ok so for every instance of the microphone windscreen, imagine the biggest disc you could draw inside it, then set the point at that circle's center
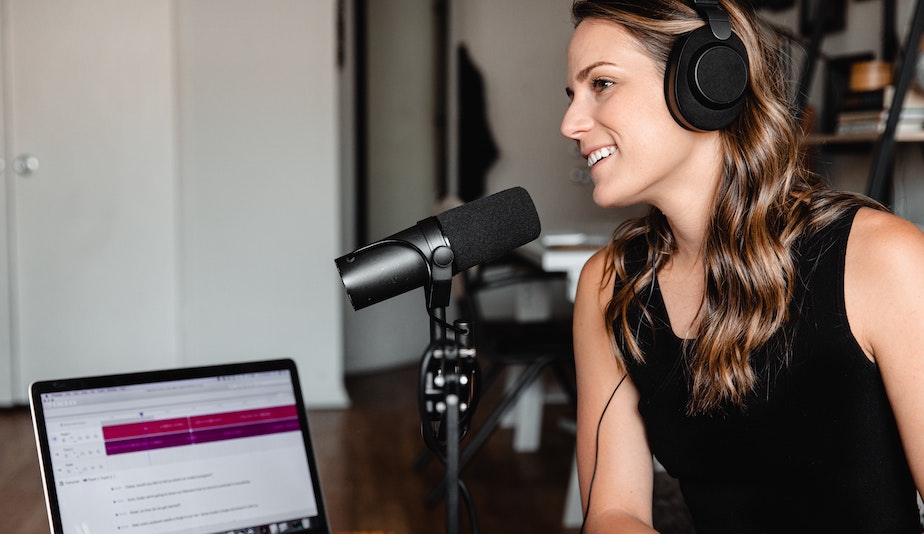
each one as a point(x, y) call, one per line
point(487, 228)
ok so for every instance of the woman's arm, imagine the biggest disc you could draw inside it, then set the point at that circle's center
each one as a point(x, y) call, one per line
point(884, 293)
point(614, 463)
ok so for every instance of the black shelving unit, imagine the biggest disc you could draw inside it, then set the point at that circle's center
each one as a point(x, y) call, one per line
point(880, 175)
point(884, 151)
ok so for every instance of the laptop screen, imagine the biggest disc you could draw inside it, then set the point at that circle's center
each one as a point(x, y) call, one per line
point(204, 450)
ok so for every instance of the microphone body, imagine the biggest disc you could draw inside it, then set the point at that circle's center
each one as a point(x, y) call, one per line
point(390, 267)
point(468, 235)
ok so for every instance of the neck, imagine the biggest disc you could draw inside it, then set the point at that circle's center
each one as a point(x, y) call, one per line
point(689, 202)
point(689, 227)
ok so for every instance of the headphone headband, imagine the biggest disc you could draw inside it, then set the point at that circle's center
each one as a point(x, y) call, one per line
point(715, 16)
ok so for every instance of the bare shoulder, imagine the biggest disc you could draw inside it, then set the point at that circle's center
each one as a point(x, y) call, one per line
point(596, 264)
point(593, 284)
point(884, 243)
point(883, 278)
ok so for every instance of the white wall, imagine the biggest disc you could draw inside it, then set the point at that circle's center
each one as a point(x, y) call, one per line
point(259, 187)
point(6, 304)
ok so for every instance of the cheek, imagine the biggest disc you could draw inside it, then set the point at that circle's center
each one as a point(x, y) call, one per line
point(646, 113)
point(658, 118)
point(657, 135)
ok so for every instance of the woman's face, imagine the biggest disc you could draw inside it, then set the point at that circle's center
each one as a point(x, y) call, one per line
point(637, 153)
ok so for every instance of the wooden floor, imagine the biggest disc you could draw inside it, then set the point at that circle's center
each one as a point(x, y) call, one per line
point(365, 456)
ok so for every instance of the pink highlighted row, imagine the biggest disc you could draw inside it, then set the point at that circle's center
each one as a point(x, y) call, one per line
point(198, 422)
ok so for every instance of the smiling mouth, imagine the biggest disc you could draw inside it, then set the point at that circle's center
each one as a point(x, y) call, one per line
point(600, 154)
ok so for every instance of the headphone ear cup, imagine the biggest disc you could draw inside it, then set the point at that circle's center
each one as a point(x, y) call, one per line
point(706, 80)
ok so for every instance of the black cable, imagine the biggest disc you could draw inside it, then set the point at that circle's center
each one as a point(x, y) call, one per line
point(426, 433)
point(593, 474)
point(470, 506)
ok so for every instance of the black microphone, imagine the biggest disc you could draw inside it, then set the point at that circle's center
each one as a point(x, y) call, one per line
point(460, 238)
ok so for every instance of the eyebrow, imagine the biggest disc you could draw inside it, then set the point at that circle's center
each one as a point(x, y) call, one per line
point(585, 72)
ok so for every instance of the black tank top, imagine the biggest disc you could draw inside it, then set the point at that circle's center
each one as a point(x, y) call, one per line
point(815, 450)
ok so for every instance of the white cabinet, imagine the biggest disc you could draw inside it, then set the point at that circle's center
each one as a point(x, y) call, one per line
point(186, 200)
point(88, 90)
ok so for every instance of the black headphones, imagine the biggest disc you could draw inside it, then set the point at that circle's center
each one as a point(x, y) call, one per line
point(706, 78)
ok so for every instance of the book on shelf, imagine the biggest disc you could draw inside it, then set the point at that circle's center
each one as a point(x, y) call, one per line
point(868, 126)
point(867, 100)
point(867, 112)
point(878, 99)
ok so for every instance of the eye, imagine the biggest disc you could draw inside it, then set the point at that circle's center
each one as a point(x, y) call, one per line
point(601, 84)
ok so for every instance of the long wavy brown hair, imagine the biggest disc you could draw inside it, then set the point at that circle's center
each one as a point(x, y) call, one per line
point(767, 200)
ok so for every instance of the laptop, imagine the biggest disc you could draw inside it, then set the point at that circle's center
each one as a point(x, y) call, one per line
point(204, 450)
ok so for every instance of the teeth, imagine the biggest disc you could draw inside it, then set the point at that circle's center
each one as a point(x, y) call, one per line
point(599, 154)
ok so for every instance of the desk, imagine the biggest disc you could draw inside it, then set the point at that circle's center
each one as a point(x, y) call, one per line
point(570, 257)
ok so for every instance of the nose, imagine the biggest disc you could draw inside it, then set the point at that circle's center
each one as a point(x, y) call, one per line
point(576, 121)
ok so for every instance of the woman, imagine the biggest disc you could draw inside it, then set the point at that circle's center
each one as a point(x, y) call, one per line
point(759, 333)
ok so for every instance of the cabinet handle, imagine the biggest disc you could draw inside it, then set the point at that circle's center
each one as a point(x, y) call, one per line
point(25, 164)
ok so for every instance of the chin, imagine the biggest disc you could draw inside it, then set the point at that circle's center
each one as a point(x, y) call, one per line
point(611, 201)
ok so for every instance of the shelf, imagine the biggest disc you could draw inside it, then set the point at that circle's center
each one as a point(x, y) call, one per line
point(872, 137)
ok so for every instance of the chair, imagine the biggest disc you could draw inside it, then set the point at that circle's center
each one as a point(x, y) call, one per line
point(505, 343)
